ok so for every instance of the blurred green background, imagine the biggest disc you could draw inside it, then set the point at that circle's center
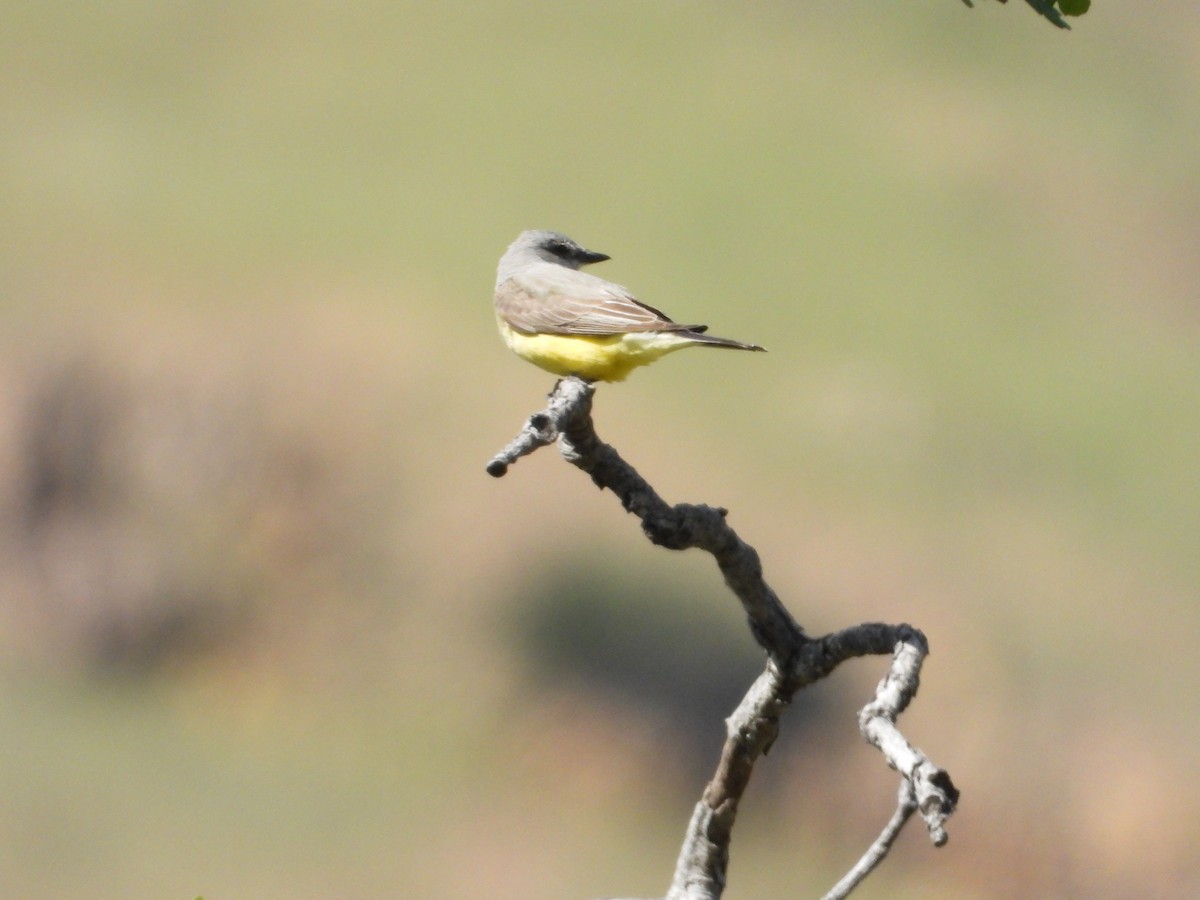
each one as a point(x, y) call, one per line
point(268, 628)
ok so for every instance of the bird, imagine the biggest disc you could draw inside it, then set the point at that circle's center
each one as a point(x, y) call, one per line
point(571, 322)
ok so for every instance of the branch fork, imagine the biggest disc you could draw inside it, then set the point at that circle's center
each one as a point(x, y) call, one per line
point(794, 660)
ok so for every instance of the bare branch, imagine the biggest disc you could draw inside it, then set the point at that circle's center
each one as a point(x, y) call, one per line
point(794, 660)
point(906, 805)
point(540, 430)
point(935, 793)
point(676, 527)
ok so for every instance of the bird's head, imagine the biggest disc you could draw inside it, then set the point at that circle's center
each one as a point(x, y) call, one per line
point(555, 247)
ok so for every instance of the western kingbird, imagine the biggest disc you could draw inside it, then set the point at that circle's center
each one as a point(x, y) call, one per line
point(572, 323)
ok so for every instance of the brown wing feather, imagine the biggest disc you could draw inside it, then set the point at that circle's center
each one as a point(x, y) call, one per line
point(558, 312)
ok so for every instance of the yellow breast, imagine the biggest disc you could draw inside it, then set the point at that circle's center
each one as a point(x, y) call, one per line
point(596, 358)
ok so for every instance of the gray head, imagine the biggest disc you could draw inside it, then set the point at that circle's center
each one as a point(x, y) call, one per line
point(544, 246)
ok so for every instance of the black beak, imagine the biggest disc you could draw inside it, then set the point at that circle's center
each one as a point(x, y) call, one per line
point(587, 257)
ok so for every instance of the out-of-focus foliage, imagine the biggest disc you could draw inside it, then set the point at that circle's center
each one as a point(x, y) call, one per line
point(1074, 7)
point(1054, 10)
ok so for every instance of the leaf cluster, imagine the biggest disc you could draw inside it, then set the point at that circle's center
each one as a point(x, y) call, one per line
point(1054, 10)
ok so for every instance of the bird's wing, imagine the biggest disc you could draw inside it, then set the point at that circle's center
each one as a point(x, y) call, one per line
point(556, 300)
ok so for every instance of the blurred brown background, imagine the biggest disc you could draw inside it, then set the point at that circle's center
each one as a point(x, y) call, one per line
point(268, 628)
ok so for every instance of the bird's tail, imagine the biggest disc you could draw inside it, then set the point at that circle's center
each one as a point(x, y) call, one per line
point(697, 334)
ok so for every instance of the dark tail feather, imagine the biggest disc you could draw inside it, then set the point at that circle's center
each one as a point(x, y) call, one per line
point(697, 334)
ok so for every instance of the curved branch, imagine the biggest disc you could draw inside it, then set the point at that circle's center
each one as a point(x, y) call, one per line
point(906, 805)
point(794, 659)
point(569, 418)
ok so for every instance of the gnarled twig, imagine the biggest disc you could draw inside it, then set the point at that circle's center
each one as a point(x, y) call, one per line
point(794, 660)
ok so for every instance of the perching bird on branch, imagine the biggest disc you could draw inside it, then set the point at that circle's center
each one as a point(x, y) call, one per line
point(572, 323)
